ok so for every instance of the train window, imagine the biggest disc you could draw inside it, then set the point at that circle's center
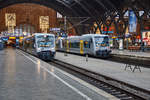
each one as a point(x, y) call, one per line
point(75, 45)
point(47, 41)
point(86, 44)
point(101, 41)
point(98, 41)
point(33, 42)
point(106, 40)
point(91, 40)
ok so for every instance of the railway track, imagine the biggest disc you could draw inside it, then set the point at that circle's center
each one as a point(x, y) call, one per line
point(119, 89)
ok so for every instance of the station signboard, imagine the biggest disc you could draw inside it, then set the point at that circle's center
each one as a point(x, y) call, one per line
point(12, 38)
point(55, 29)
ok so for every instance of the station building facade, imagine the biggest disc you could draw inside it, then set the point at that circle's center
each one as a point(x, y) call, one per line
point(27, 19)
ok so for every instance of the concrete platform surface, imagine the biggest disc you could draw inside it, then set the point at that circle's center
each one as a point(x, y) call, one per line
point(129, 53)
point(111, 69)
point(24, 77)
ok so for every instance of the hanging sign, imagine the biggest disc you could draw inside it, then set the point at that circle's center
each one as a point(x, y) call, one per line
point(44, 23)
point(10, 19)
point(132, 21)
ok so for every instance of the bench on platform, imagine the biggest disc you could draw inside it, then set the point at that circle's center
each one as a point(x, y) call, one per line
point(134, 48)
point(146, 48)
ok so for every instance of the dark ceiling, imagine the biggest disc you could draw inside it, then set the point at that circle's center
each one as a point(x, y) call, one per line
point(95, 9)
point(80, 8)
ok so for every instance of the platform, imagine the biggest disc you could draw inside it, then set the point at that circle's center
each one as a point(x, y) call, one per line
point(24, 77)
point(110, 69)
point(131, 53)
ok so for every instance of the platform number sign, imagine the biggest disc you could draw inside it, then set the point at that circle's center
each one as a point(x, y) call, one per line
point(81, 47)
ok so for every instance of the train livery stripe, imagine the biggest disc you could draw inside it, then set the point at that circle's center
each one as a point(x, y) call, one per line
point(81, 47)
point(67, 45)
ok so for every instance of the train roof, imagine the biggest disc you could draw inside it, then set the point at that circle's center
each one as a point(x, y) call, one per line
point(94, 35)
point(43, 34)
point(70, 37)
point(85, 35)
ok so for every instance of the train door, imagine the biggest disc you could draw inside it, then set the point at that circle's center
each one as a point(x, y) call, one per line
point(91, 50)
point(17, 42)
point(61, 43)
point(86, 45)
point(33, 45)
point(81, 47)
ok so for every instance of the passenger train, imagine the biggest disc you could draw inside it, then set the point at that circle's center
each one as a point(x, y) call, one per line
point(41, 45)
point(92, 44)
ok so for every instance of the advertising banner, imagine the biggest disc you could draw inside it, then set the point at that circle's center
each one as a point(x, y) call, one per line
point(132, 21)
point(146, 38)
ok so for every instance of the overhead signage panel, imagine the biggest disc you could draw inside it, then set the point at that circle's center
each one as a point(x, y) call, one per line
point(12, 38)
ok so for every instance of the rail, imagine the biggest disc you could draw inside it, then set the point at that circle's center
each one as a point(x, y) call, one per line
point(122, 90)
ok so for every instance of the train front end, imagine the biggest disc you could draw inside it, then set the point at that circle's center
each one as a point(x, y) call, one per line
point(45, 46)
point(102, 48)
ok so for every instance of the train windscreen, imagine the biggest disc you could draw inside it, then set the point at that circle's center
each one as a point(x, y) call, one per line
point(45, 41)
point(101, 41)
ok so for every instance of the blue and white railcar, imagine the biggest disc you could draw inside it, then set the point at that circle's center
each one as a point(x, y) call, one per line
point(97, 45)
point(41, 45)
point(45, 45)
point(91, 44)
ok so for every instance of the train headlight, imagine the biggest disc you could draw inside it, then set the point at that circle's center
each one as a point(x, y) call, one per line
point(108, 48)
point(53, 49)
point(97, 48)
point(39, 49)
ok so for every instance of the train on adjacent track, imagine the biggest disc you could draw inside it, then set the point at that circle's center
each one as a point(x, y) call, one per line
point(41, 45)
point(89, 44)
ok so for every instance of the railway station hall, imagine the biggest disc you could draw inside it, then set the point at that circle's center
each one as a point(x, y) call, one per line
point(74, 49)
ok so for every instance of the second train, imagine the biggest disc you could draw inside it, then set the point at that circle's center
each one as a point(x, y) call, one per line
point(92, 44)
